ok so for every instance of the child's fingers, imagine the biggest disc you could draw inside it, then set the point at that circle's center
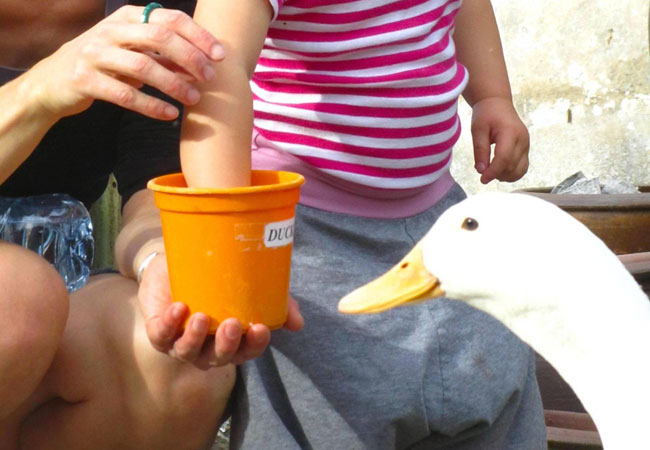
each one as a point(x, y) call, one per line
point(516, 156)
point(504, 158)
point(481, 141)
point(522, 168)
point(518, 171)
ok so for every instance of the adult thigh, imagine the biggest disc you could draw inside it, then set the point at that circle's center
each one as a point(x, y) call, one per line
point(33, 312)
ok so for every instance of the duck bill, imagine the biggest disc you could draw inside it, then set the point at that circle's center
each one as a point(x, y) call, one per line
point(406, 283)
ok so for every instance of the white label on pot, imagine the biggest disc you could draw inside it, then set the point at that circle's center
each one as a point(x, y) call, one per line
point(278, 234)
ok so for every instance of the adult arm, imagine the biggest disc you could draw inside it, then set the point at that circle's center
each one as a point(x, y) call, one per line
point(494, 118)
point(216, 133)
point(110, 61)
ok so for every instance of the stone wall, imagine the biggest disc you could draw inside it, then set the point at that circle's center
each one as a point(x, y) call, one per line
point(580, 76)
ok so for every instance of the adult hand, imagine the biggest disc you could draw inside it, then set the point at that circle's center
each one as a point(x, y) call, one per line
point(113, 59)
point(164, 323)
point(495, 121)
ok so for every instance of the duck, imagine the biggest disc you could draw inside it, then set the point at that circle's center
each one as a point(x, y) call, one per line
point(553, 283)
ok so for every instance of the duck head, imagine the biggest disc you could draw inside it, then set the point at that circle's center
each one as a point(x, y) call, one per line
point(506, 254)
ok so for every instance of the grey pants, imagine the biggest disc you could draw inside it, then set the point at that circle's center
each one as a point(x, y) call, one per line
point(439, 375)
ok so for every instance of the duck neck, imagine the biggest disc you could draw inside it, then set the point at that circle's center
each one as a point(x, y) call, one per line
point(599, 347)
point(611, 389)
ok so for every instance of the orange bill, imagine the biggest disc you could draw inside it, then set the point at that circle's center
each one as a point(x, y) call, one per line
point(408, 282)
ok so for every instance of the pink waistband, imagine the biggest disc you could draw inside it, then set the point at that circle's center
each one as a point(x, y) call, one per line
point(325, 192)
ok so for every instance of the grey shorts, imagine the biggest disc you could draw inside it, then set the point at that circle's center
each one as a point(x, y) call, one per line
point(436, 375)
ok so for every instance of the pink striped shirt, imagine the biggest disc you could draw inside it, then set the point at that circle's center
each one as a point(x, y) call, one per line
point(361, 94)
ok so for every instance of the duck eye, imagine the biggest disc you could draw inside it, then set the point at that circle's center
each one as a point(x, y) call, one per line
point(470, 224)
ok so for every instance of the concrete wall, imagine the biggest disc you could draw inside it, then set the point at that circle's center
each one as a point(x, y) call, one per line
point(580, 76)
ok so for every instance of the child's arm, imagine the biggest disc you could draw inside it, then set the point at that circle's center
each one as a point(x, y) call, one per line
point(216, 132)
point(494, 119)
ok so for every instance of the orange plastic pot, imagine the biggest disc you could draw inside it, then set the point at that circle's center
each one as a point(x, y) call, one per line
point(229, 250)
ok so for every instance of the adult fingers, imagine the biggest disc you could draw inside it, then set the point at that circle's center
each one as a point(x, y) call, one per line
point(130, 81)
point(173, 67)
point(164, 41)
point(256, 341)
point(176, 20)
point(186, 27)
point(295, 320)
point(188, 347)
point(227, 341)
point(162, 330)
point(104, 87)
point(144, 68)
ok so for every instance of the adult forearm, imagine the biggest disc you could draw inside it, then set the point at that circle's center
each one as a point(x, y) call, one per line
point(141, 233)
point(23, 123)
point(478, 47)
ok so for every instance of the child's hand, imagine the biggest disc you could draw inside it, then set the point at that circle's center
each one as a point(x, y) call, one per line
point(495, 121)
point(164, 321)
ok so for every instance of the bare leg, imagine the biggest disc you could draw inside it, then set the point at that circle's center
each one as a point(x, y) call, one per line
point(33, 312)
point(113, 390)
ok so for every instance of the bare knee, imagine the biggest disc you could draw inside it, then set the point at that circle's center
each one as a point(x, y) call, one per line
point(216, 384)
point(204, 395)
point(189, 411)
point(33, 312)
point(34, 301)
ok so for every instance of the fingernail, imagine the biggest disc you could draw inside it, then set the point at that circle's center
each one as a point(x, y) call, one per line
point(177, 312)
point(193, 95)
point(199, 325)
point(170, 112)
point(217, 52)
point(232, 332)
point(208, 72)
point(480, 167)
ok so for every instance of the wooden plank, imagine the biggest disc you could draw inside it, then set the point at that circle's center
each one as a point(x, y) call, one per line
point(575, 439)
point(568, 429)
point(636, 263)
point(594, 202)
point(569, 419)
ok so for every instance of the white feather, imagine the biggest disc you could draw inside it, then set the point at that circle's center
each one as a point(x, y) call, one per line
point(560, 289)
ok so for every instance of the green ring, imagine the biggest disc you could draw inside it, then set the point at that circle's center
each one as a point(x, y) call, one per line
point(147, 11)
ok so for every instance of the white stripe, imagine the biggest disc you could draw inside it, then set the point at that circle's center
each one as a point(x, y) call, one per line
point(383, 51)
point(388, 183)
point(351, 44)
point(354, 121)
point(349, 7)
point(434, 80)
point(360, 141)
point(276, 7)
point(389, 69)
point(360, 100)
point(388, 163)
point(395, 16)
